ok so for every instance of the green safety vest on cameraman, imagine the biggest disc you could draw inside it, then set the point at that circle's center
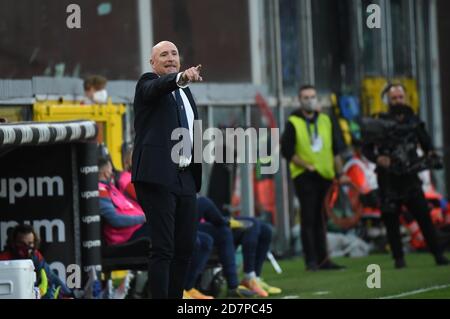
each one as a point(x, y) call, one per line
point(322, 160)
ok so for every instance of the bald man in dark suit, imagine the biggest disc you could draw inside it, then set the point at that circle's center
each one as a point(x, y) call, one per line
point(166, 186)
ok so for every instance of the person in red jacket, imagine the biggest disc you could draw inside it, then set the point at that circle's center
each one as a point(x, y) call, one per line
point(23, 243)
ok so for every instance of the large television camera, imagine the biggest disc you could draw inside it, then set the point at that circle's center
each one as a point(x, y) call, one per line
point(398, 141)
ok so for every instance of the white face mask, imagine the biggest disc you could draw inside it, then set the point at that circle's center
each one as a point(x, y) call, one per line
point(309, 105)
point(100, 96)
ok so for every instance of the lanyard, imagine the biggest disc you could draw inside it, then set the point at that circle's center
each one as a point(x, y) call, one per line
point(316, 132)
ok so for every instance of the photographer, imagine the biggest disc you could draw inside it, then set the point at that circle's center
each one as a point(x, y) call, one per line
point(395, 155)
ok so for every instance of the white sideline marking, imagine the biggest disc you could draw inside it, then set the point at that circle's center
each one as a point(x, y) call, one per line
point(414, 292)
point(318, 293)
point(291, 297)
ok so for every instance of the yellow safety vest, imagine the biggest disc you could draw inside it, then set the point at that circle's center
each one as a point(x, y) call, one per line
point(322, 160)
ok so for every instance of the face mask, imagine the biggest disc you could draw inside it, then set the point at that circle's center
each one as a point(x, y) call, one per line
point(100, 96)
point(309, 105)
point(399, 109)
point(22, 251)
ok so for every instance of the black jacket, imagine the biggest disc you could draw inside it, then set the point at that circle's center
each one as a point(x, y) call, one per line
point(156, 116)
point(394, 182)
point(421, 136)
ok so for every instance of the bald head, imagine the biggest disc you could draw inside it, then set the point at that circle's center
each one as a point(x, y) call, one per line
point(163, 45)
point(165, 58)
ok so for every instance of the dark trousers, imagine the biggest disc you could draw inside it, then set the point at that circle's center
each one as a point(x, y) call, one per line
point(202, 250)
point(142, 232)
point(223, 240)
point(311, 190)
point(173, 222)
point(417, 205)
point(255, 243)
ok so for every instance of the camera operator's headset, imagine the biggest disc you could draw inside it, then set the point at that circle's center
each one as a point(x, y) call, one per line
point(387, 88)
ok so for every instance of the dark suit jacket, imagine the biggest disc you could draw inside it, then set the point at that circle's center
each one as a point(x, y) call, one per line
point(155, 117)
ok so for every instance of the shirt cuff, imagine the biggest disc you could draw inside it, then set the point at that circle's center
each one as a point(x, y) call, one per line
point(180, 83)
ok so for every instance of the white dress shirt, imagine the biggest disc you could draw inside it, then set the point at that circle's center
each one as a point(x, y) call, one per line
point(190, 118)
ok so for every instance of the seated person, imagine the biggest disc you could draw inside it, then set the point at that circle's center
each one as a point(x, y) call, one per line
point(124, 220)
point(23, 243)
point(361, 173)
point(95, 90)
point(255, 241)
point(202, 250)
point(124, 180)
point(219, 229)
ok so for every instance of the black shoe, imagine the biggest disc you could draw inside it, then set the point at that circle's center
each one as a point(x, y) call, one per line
point(400, 263)
point(329, 265)
point(441, 260)
point(312, 267)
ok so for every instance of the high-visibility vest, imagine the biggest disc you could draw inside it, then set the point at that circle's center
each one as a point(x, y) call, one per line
point(322, 160)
